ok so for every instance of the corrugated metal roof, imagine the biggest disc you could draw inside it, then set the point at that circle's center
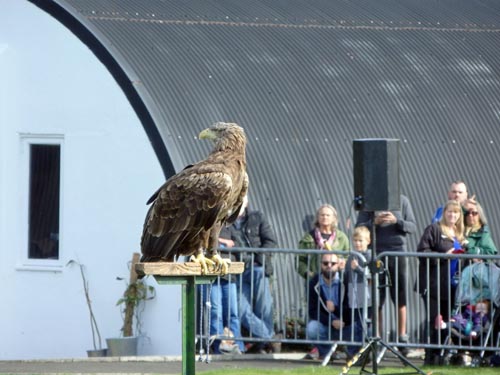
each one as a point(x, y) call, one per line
point(305, 78)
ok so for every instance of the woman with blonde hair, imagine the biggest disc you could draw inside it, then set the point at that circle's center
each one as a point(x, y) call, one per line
point(434, 282)
point(478, 235)
point(325, 236)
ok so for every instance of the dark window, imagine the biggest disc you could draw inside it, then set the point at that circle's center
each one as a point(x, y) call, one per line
point(45, 162)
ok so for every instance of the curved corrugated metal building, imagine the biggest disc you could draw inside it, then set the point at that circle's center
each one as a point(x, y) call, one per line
point(305, 78)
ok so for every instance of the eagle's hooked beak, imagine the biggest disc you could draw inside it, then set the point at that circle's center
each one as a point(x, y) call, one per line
point(207, 134)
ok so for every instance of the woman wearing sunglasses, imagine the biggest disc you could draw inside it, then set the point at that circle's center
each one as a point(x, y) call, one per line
point(478, 235)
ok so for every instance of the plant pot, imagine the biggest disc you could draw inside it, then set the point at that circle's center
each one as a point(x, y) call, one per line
point(97, 353)
point(122, 346)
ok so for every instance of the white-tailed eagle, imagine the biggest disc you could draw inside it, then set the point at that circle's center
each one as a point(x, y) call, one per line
point(188, 211)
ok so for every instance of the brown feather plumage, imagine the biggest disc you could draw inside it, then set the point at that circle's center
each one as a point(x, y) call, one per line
point(188, 211)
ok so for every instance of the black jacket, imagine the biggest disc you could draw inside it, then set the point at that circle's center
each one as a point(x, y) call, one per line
point(393, 236)
point(256, 232)
point(433, 241)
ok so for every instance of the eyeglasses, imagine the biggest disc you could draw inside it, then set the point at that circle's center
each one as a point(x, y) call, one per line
point(471, 213)
point(329, 263)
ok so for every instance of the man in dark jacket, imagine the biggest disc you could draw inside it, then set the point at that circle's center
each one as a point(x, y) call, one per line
point(327, 309)
point(251, 229)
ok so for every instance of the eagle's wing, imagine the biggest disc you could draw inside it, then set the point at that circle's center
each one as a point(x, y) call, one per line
point(188, 204)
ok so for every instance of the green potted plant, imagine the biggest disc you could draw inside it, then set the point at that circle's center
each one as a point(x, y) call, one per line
point(98, 350)
point(137, 292)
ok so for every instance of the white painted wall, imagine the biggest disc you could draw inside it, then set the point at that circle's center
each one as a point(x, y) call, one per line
point(51, 83)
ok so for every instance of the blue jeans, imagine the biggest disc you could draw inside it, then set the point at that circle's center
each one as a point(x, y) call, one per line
point(316, 330)
point(224, 311)
point(256, 309)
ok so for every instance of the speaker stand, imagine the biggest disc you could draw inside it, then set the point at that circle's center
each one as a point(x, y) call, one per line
point(371, 351)
point(374, 342)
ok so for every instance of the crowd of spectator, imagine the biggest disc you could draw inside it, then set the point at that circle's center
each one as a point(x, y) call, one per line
point(338, 286)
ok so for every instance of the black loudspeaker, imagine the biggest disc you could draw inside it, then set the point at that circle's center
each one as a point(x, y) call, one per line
point(376, 174)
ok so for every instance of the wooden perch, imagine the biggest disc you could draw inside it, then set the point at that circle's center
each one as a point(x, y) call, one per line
point(133, 273)
point(182, 269)
point(130, 296)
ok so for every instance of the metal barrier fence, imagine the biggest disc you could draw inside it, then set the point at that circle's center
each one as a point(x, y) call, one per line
point(290, 299)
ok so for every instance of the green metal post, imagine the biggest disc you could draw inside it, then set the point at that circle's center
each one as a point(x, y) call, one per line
point(188, 284)
point(188, 326)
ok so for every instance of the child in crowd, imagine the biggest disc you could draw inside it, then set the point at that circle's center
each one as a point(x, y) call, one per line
point(358, 279)
point(473, 320)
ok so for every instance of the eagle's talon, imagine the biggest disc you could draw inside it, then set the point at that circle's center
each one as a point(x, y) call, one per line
point(202, 261)
point(223, 264)
point(215, 264)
